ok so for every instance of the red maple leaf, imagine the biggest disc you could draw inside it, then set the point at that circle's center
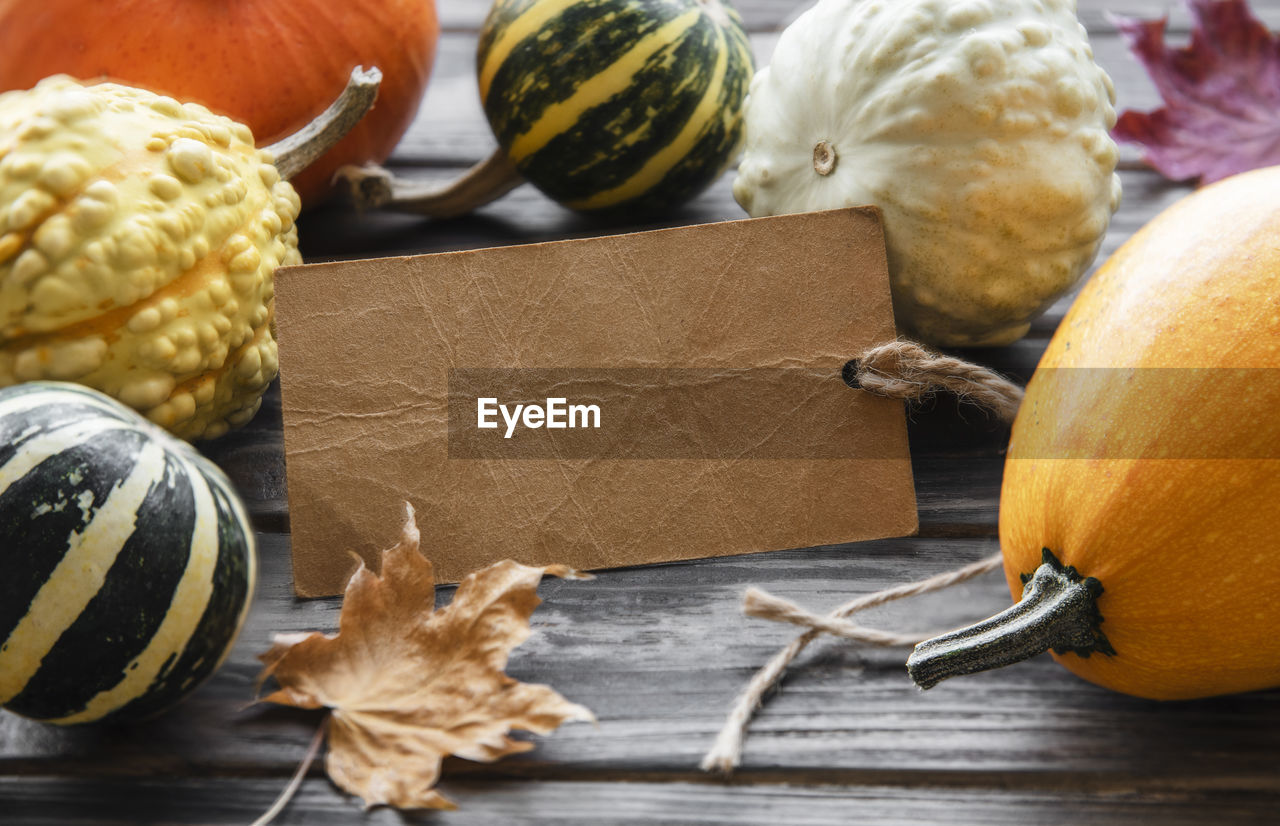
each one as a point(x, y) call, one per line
point(1221, 93)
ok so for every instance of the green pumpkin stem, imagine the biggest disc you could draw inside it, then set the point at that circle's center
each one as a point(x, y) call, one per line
point(1058, 611)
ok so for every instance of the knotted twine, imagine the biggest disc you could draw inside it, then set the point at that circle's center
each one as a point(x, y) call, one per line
point(899, 370)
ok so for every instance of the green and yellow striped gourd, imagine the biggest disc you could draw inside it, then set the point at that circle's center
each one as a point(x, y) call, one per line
point(126, 559)
point(606, 103)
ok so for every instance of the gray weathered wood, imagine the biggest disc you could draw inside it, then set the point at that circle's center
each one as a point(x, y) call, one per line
point(658, 653)
point(58, 802)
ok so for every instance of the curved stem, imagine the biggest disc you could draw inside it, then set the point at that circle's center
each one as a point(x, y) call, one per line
point(1058, 611)
point(375, 187)
point(298, 151)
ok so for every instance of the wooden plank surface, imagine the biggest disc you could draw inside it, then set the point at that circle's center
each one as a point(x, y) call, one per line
point(659, 652)
point(62, 802)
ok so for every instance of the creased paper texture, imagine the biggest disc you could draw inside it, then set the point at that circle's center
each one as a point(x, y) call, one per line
point(368, 349)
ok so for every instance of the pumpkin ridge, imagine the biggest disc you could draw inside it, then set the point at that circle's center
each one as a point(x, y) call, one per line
point(712, 150)
point(597, 89)
point(660, 163)
point(233, 581)
point(79, 573)
point(104, 638)
point(33, 534)
point(187, 606)
point(152, 588)
point(510, 26)
point(614, 165)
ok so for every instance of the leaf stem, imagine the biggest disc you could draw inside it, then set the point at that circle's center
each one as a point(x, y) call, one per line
point(296, 782)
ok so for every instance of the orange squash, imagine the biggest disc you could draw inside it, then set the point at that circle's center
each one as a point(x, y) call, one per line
point(1141, 496)
point(271, 64)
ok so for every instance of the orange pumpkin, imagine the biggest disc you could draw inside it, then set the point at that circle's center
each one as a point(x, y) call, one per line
point(1146, 457)
point(271, 64)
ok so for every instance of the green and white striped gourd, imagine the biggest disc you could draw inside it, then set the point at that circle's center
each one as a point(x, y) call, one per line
point(604, 103)
point(127, 561)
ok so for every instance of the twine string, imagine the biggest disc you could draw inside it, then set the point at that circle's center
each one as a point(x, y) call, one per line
point(905, 370)
point(763, 605)
point(901, 370)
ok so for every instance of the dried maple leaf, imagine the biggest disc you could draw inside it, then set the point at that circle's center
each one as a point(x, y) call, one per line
point(408, 685)
point(1221, 94)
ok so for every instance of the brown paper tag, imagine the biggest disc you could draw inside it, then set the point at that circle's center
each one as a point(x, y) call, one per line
point(680, 390)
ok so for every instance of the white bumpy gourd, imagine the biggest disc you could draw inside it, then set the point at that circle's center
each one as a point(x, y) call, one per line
point(978, 127)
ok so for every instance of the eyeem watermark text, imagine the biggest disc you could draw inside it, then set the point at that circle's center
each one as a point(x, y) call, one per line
point(555, 414)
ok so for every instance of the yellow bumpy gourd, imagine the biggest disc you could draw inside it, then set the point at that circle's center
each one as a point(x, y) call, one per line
point(138, 238)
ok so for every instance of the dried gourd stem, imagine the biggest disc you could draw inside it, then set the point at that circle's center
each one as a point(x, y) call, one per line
point(901, 370)
point(373, 187)
point(1058, 612)
point(295, 782)
point(824, 158)
point(298, 151)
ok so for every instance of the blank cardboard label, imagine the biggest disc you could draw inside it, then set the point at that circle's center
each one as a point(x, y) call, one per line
point(603, 402)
